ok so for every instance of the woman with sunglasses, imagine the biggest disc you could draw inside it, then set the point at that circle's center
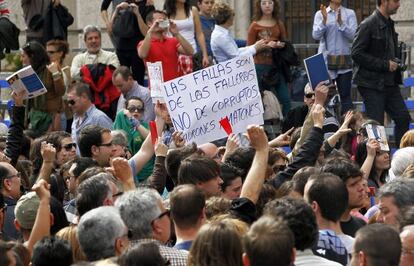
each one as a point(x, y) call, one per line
point(130, 121)
point(44, 110)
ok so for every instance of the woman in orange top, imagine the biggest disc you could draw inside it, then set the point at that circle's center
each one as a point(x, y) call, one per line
point(267, 25)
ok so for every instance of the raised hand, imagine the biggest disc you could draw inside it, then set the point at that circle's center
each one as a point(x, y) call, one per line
point(257, 137)
point(48, 152)
point(318, 115)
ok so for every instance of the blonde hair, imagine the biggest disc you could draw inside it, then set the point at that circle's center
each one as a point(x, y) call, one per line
point(221, 12)
point(407, 139)
point(69, 233)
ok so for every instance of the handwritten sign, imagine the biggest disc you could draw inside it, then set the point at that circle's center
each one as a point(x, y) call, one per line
point(156, 79)
point(198, 101)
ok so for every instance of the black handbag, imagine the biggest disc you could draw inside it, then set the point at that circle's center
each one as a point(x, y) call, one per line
point(36, 22)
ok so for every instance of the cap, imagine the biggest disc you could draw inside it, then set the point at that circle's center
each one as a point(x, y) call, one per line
point(26, 210)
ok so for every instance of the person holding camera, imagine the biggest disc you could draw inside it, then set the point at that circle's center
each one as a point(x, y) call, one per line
point(157, 46)
point(127, 28)
point(377, 68)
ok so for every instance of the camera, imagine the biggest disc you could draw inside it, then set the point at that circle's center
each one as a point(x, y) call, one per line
point(165, 24)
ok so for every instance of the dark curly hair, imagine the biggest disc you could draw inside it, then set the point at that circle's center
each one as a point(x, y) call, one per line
point(299, 217)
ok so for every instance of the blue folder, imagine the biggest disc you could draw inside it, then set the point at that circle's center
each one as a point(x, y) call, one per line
point(316, 70)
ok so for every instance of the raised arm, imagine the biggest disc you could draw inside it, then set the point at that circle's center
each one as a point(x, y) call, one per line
point(256, 175)
point(104, 15)
point(41, 227)
point(200, 36)
point(15, 134)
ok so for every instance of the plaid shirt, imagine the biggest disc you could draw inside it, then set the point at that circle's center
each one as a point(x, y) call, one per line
point(173, 256)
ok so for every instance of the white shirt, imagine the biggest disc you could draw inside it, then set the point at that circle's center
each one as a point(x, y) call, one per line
point(103, 57)
point(225, 48)
point(307, 258)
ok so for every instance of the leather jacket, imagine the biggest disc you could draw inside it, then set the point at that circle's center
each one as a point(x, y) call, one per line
point(371, 52)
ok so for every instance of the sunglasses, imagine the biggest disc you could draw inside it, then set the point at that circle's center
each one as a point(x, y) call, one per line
point(69, 146)
point(133, 109)
point(107, 144)
point(166, 212)
point(309, 95)
point(52, 52)
point(71, 102)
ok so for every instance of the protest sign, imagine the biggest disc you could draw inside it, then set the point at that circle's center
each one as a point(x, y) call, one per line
point(198, 101)
point(156, 79)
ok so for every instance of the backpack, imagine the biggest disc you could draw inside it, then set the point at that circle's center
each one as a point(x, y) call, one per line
point(125, 25)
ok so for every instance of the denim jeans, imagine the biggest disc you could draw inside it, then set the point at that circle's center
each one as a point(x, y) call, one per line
point(344, 84)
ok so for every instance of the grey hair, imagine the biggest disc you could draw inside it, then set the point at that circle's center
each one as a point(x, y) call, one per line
point(402, 190)
point(401, 159)
point(138, 209)
point(90, 28)
point(98, 230)
point(119, 137)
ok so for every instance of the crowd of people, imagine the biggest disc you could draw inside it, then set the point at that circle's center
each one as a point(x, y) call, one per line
point(83, 182)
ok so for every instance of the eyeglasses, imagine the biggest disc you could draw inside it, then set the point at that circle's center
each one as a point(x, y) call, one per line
point(52, 52)
point(133, 109)
point(4, 208)
point(107, 144)
point(267, 3)
point(118, 194)
point(69, 146)
point(71, 102)
point(166, 212)
point(18, 174)
point(309, 95)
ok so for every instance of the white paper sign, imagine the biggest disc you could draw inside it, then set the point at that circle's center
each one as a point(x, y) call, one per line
point(156, 79)
point(378, 133)
point(198, 101)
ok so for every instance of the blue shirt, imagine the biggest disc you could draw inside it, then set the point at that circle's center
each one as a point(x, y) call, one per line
point(334, 39)
point(225, 48)
point(186, 245)
point(93, 116)
point(207, 24)
point(331, 247)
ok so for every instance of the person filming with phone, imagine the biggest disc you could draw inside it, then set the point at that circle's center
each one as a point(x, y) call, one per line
point(158, 46)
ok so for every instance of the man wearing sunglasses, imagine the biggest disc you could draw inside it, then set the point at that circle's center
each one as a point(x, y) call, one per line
point(296, 116)
point(10, 191)
point(85, 113)
point(123, 79)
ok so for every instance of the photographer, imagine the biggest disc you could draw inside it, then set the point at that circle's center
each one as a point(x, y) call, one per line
point(157, 46)
point(127, 28)
point(377, 70)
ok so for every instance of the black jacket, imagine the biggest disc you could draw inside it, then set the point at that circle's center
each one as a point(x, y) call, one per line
point(56, 22)
point(15, 134)
point(371, 51)
point(307, 156)
point(9, 36)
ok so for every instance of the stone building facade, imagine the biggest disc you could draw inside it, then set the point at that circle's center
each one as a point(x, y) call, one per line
point(297, 14)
